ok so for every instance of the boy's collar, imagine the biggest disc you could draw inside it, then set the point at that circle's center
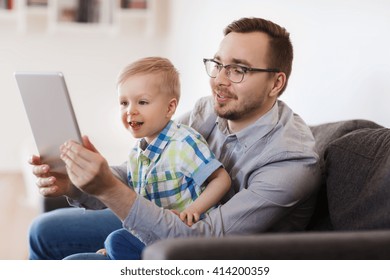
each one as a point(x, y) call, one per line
point(154, 149)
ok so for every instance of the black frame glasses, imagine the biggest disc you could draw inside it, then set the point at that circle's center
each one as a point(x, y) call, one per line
point(234, 72)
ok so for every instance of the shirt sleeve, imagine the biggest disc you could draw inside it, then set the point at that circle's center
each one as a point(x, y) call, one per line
point(272, 192)
point(196, 159)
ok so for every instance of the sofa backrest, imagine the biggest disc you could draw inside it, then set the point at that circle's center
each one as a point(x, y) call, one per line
point(326, 134)
point(358, 180)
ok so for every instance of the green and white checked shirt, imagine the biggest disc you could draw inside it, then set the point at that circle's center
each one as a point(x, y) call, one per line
point(172, 170)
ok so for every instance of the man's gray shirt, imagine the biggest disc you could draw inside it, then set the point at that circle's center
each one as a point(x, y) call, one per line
point(275, 177)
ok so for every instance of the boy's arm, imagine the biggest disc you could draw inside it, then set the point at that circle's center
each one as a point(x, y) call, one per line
point(218, 185)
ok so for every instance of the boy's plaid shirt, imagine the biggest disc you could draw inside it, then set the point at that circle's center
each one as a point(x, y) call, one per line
point(172, 170)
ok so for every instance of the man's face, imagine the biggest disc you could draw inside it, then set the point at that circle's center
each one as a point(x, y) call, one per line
point(251, 98)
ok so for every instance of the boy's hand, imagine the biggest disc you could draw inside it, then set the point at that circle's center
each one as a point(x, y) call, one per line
point(186, 216)
point(189, 217)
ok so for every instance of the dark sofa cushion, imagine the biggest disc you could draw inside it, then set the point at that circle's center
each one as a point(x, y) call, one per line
point(358, 180)
point(325, 134)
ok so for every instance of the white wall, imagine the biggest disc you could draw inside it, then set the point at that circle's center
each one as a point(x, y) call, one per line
point(342, 52)
point(340, 71)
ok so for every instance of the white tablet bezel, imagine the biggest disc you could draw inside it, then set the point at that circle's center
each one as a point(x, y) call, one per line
point(50, 112)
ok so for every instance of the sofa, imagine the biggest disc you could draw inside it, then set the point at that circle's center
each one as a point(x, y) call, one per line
point(352, 215)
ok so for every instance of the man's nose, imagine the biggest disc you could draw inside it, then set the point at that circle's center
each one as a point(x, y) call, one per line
point(222, 77)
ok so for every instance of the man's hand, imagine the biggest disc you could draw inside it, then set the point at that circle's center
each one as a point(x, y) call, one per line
point(87, 168)
point(89, 172)
point(50, 184)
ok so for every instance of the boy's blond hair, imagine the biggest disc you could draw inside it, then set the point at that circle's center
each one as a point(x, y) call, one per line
point(170, 82)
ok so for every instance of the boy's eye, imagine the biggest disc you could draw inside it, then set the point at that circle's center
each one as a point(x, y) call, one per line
point(123, 103)
point(143, 102)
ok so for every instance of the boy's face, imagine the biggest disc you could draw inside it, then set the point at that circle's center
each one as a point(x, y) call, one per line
point(145, 109)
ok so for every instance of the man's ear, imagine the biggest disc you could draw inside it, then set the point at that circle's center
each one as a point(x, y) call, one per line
point(172, 105)
point(279, 83)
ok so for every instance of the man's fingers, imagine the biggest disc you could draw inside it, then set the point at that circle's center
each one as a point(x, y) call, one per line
point(46, 186)
point(45, 182)
point(73, 155)
point(40, 170)
point(49, 191)
point(88, 144)
point(34, 160)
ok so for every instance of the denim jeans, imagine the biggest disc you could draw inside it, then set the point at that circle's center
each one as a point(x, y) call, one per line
point(122, 245)
point(63, 232)
point(119, 245)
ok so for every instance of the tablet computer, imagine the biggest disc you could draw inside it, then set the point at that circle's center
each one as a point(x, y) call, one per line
point(50, 113)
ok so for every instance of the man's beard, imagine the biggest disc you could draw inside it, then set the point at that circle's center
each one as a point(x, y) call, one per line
point(227, 114)
point(235, 114)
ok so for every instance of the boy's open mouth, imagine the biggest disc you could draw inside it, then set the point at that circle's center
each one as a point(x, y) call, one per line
point(135, 124)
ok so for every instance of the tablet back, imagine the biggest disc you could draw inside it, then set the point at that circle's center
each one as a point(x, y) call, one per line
point(50, 113)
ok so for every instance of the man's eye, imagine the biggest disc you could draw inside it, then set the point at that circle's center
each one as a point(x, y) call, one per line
point(238, 70)
point(217, 66)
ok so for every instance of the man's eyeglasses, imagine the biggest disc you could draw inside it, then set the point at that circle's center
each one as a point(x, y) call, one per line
point(235, 73)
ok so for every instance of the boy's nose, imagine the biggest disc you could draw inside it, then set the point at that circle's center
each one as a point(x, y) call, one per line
point(132, 111)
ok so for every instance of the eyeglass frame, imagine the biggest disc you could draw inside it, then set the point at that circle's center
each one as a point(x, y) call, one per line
point(245, 69)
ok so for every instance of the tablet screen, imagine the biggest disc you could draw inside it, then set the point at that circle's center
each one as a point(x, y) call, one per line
point(50, 113)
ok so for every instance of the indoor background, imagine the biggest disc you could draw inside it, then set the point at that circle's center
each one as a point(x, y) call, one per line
point(340, 72)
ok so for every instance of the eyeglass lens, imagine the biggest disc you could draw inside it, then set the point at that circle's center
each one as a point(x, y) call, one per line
point(233, 72)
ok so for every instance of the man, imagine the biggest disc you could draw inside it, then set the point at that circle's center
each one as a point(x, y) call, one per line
point(266, 148)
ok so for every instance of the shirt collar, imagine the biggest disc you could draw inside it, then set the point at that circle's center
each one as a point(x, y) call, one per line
point(249, 135)
point(156, 147)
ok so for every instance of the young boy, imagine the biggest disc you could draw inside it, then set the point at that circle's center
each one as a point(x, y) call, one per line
point(171, 164)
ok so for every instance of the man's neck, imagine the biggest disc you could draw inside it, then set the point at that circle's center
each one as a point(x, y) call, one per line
point(235, 126)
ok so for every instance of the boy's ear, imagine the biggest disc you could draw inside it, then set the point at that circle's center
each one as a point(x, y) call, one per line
point(172, 105)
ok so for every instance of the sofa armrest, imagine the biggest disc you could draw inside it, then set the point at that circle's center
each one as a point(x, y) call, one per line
point(287, 246)
point(53, 203)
